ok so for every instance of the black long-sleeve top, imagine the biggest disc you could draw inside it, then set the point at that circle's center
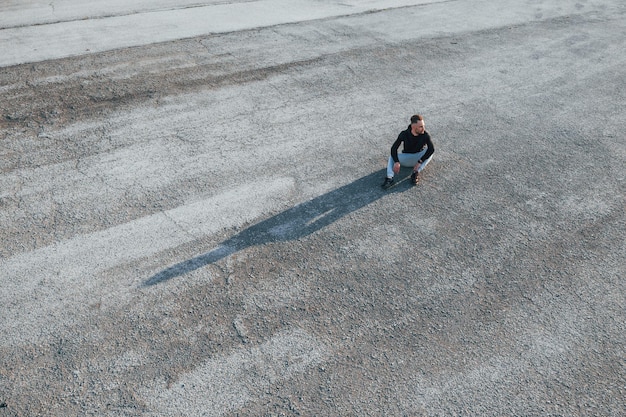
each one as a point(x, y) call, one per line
point(412, 144)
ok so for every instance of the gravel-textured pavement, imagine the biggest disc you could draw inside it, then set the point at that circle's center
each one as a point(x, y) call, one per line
point(196, 227)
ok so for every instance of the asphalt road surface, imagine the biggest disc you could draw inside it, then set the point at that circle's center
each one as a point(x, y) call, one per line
point(192, 222)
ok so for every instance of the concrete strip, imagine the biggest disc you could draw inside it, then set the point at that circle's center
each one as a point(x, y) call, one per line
point(76, 37)
point(143, 25)
point(41, 12)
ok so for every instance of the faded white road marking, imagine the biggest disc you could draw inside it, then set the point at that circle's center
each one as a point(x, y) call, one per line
point(53, 284)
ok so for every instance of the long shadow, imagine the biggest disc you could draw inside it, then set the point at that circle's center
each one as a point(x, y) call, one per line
point(291, 224)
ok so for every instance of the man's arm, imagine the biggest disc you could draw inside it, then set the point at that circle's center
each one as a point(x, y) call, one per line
point(430, 151)
point(394, 148)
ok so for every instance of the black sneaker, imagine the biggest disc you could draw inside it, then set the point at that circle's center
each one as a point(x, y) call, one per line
point(388, 183)
point(415, 177)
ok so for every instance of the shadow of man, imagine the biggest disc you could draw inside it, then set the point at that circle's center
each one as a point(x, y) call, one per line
point(291, 224)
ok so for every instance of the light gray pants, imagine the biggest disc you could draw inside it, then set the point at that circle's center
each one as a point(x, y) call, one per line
point(408, 160)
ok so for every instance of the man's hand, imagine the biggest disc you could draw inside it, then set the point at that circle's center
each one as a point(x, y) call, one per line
point(396, 167)
point(417, 167)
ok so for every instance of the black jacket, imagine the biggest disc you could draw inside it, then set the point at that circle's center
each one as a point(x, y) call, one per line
point(412, 144)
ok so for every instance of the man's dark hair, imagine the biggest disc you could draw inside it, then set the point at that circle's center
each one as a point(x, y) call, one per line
point(416, 117)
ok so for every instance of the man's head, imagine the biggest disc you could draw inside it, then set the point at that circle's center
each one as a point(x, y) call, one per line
point(417, 124)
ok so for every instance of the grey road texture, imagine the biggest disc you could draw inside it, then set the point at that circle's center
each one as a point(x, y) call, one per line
point(195, 226)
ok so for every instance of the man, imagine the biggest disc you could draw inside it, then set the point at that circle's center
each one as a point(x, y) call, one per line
point(417, 151)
